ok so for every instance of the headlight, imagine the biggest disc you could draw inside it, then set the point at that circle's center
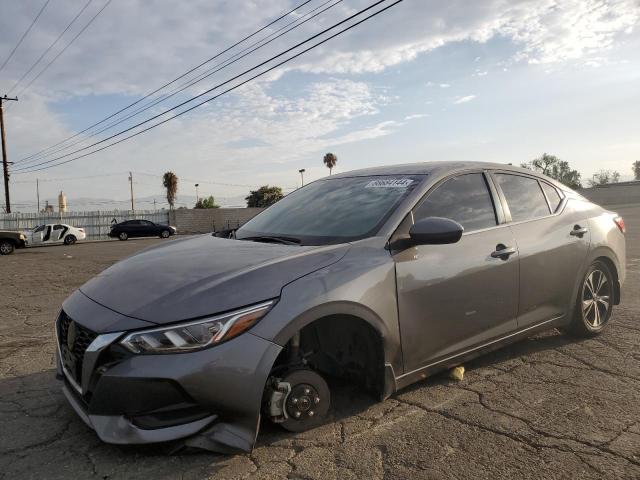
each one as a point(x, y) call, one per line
point(197, 334)
point(22, 237)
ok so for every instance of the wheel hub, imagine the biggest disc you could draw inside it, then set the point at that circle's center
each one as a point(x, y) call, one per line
point(302, 401)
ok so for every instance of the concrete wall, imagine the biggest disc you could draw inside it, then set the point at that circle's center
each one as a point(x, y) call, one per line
point(623, 193)
point(210, 219)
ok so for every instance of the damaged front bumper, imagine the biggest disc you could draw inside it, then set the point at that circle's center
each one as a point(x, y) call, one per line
point(208, 399)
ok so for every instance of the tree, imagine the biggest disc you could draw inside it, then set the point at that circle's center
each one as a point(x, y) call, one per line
point(206, 203)
point(330, 161)
point(170, 182)
point(555, 168)
point(604, 177)
point(264, 196)
point(636, 169)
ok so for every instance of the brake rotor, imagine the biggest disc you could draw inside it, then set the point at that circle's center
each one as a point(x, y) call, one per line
point(308, 402)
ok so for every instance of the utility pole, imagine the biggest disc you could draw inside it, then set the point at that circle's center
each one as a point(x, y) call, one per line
point(154, 205)
point(131, 185)
point(5, 162)
point(38, 193)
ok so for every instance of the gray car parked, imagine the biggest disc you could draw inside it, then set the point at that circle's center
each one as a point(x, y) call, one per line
point(382, 276)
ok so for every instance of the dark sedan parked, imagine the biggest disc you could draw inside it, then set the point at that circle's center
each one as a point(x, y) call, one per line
point(141, 228)
point(380, 276)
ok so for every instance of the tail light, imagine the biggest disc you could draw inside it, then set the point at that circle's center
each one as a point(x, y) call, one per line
point(81, 229)
point(620, 223)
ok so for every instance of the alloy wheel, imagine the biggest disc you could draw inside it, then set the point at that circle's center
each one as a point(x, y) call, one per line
point(596, 298)
point(6, 248)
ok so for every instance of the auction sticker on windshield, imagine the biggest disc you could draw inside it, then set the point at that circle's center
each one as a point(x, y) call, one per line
point(389, 183)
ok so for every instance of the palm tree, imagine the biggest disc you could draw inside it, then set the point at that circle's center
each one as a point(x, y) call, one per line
point(170, 182)
point(330, 161)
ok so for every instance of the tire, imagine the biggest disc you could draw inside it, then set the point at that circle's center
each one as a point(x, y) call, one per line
point(165, 234)
point(308, 402)
point(123, 236)
point(70, 240)
point(591, 317)
point(6, 247)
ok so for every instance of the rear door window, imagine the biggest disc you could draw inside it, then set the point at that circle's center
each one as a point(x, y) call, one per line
point(465, 199)
point(552, 195)
point(524, 196)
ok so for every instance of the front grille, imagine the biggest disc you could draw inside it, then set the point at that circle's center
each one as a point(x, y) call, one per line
point(74, 341)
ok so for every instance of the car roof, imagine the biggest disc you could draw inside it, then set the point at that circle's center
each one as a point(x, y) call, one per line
point(441, 168)
point(429, 168)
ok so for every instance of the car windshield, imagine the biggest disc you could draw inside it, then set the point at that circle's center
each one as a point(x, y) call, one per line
point(332, 210)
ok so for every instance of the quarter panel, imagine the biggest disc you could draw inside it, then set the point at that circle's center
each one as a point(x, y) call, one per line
point(608, 241)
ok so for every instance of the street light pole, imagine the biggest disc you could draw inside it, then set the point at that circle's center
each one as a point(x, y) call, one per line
point(302, 170)
point(133, 208)
point(197, 196)
point(5, 162)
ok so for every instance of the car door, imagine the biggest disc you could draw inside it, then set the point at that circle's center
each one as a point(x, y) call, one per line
point(148, 229)
point(37, 234)
point(457, 296)
point(57, 235)
point(132, 228)
point(46, 234)
point(553, 242)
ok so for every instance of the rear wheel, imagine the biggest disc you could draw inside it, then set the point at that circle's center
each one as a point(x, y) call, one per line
point(123, 236)
point(165, 234)
point(69, 240)
point(6, 247)
point(594, 304)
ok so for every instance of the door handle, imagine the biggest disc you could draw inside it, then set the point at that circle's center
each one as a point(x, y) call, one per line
point(503, 252)
point(578, 231)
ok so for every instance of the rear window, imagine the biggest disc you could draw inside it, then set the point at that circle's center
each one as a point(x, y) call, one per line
point(552, 195)
point(524, 197)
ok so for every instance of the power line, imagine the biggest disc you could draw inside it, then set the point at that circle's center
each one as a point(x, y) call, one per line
point(31, 169)
point(65, 179)
point(201, 181)
point(174, 80)
point(53, 44)
point(65, 48)
point(24, 35)
point(197, 79)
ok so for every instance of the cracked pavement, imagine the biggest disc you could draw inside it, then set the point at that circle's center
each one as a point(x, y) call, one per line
point(547, 407)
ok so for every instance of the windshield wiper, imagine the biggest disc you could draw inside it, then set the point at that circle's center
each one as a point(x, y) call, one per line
point(274, 239)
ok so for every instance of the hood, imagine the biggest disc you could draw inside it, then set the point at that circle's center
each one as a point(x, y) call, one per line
point(203, 276)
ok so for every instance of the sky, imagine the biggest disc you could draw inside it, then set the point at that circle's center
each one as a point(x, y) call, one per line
point(492, 80)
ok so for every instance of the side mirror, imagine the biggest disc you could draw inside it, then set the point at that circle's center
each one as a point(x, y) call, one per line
point(435, 231)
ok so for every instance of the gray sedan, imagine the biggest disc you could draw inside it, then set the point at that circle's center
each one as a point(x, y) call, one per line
point(380, 276)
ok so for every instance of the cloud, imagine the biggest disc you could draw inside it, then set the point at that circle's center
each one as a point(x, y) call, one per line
point(143, 55)
point(543, 31)
point(465, 99)
point(416, 116)
point(252, 134)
